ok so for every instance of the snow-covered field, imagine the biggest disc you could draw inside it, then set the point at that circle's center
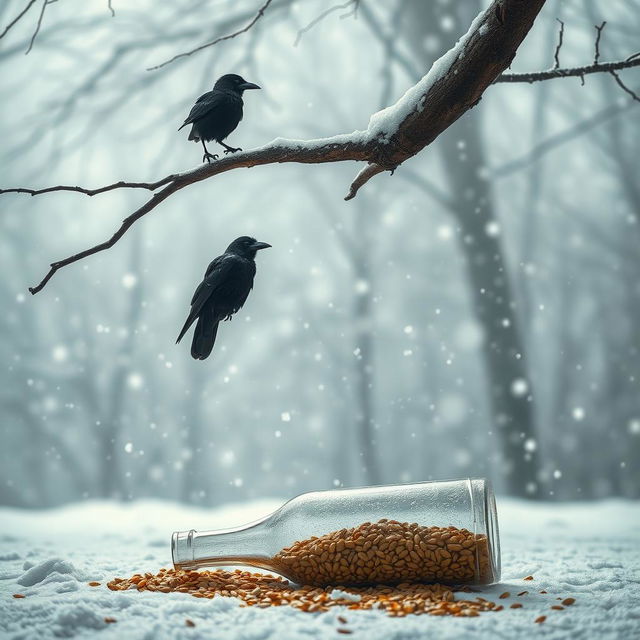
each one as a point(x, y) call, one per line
point(587, 551)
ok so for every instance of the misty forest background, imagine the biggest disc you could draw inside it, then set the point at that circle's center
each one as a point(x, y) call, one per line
point(477, 313)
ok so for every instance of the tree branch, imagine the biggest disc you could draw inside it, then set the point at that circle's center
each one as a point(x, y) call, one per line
point(624, 87)
point(321, 17)
point(454, 84)
point(255, 19)
point(573, 72)
point(596, 54)
point(17, 18)
point(556, 55)
point(329, 150)
point(371, 170)
point(151, 186)
point(45, 4)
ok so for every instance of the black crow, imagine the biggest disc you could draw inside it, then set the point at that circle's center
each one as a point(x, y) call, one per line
point(224, 290)
point(217, 113)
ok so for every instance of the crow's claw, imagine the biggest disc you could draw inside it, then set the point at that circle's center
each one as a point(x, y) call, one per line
point(208, 157)
point(232, 150)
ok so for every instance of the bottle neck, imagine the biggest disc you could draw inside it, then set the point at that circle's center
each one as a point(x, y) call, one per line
point(246, 545)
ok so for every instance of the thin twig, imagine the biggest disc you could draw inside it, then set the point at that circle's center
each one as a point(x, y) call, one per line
point(333, 150)
point(110, 7)
point(596, 55)
point(371, 170)
point(320, 18)
point(556, 55)
point(255, 19)
point(575, 72)
point(17, 18)
point(124, 227)
point(624, 87)
point(353, 12)
point(150, 186)
point(45, 3)
point(412, 70)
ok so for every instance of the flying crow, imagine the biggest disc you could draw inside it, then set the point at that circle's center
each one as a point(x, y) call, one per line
point(224, 290)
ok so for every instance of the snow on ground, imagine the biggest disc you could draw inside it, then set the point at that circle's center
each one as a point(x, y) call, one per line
point(589, 551)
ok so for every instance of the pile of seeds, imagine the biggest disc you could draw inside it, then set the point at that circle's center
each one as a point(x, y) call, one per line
point(263, 590)
point(388, 552)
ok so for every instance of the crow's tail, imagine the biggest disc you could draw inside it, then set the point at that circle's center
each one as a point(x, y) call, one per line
point(185, 327)
point(204, 337)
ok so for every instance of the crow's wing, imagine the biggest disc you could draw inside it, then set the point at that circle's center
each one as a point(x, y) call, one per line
point(217, 273)
point(204, 105)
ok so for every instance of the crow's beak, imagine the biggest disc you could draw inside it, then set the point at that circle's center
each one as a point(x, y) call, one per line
point(248, 85)
point(260, 245)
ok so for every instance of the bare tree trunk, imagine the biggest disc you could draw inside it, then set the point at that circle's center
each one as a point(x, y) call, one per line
point(508, 383)
point(493, 301)
point(529, 237)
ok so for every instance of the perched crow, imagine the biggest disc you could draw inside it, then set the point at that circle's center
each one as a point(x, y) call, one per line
point(224, 290)
point(217, 113)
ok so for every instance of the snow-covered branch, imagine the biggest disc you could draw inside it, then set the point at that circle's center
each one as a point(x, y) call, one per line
point(454, 84)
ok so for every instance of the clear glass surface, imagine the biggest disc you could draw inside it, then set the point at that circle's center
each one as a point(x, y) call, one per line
point(464, 505)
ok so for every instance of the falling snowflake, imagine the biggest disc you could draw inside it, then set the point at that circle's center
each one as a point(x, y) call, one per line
point(578, 414)
point(362, 286)
point(408, 329)
point(519, 387)
point(129, 280)
point(492, 228)
point(228, 458)
point(530, 445)
point(60, 353)
point(445, 232)
point(285, 416)
point(447, 23)
point(557, 474)
point(128, 447)
point(634, 426)
point(135, 381)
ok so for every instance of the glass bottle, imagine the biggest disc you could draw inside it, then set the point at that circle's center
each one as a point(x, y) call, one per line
point(421, 532)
